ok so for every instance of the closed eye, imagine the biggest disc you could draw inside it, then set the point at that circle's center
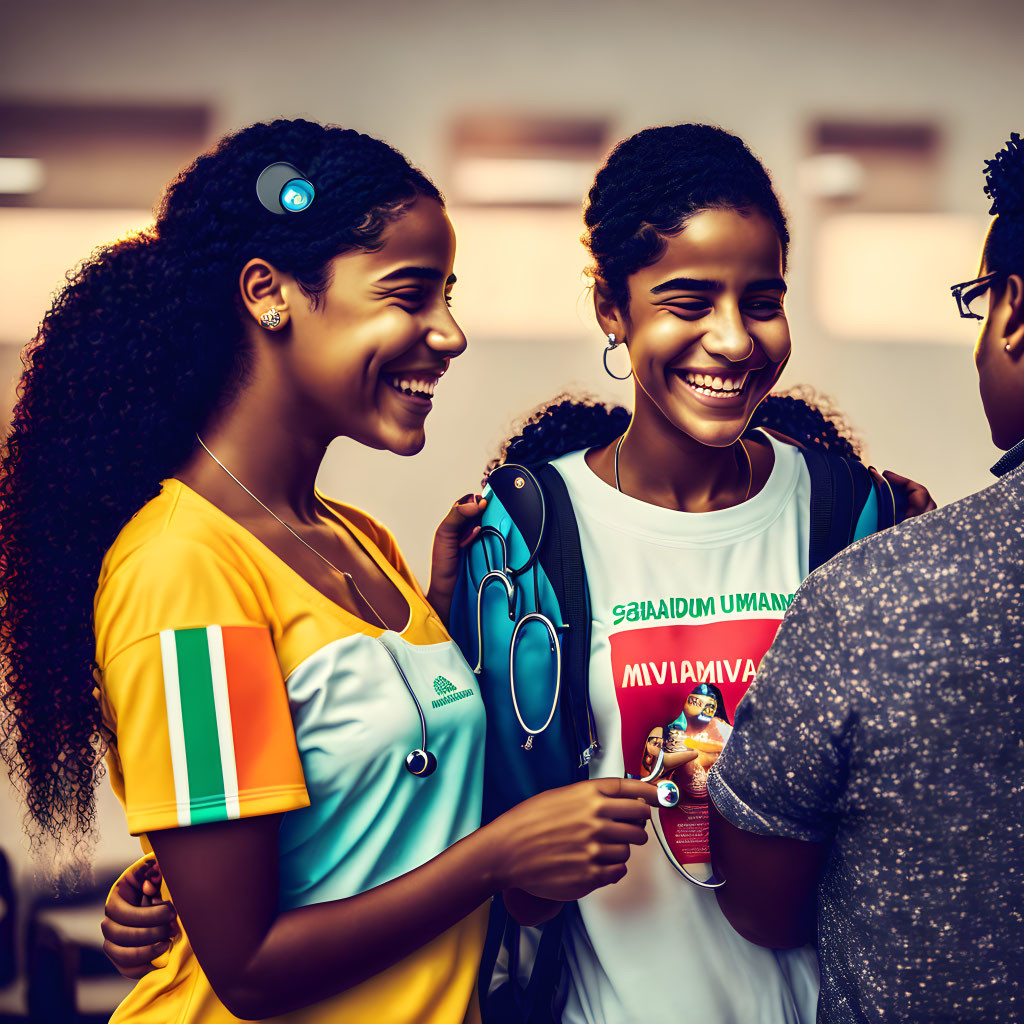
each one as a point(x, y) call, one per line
point(689, 309)
point(762, 309)
point(414, 296)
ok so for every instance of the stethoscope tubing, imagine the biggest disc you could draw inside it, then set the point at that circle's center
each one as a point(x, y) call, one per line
point(709, 883)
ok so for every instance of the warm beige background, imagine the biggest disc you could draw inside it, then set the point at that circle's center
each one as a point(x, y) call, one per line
point(402, 70)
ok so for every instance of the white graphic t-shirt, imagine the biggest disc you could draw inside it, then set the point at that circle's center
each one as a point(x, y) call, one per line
point(684, 607)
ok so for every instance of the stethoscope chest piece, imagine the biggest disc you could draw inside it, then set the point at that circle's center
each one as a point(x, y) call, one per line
point(421, 763)
point(668, 793)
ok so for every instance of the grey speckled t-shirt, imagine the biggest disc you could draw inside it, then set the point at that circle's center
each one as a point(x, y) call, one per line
point(887, 720)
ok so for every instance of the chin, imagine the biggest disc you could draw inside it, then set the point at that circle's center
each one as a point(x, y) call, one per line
point(407, 446)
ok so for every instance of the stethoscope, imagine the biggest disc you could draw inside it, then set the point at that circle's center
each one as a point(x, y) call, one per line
point(668, 796)
point(420, 762)
point(507, 577)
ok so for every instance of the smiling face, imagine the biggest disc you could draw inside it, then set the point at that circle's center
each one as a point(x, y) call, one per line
point(700, 707)
point(706, 329)
point(366, 360)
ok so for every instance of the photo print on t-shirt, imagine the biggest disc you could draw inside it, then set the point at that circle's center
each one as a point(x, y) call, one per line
point(677, 688)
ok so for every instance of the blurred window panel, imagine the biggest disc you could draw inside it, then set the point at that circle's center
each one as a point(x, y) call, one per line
point(886, 251)
point(38, 247)
point(887, 275)
point(74, 177)
point(516, 186)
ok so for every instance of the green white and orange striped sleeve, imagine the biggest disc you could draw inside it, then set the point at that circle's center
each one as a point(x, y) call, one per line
point(203, 730)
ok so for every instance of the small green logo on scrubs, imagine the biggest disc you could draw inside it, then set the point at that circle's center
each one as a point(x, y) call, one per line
point(445, 689)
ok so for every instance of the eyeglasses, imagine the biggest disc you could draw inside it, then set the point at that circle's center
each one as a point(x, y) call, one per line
point(969, 292)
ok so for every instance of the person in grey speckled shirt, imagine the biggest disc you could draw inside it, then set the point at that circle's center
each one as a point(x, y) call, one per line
point(873, 788)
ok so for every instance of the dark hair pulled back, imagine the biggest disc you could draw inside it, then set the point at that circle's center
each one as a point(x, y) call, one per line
point(135, 354)
point(653, 181)
point(1004, 184)
point(567, 424)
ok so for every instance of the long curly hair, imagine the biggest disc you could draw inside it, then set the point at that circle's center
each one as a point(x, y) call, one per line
point(569, 422)
point(140, 347)
point(1004, 184)
point(653, 181)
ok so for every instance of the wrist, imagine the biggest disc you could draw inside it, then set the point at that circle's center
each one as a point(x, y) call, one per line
point(528, 909)
point(493, 845)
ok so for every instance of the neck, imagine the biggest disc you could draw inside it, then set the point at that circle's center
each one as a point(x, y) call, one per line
point(262, 445)
point(1010, 460)
point(663, 466)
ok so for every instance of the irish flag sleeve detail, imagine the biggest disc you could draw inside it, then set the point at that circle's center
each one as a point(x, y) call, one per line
point(224, 747)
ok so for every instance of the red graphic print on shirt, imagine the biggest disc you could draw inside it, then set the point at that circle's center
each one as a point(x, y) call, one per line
point(677, 689)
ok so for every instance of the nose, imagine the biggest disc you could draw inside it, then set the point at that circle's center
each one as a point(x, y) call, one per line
point(445, 335)
point(727, 335)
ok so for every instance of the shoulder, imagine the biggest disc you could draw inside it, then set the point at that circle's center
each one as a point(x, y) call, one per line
point(176, 523)
point(925, 566)
point(177, 563)
point(573, 468)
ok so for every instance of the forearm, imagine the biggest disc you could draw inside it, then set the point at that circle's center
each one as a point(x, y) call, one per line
point(559, 845)
point(439, 597)
point(317, 951)
point(770, 883)
point(528, 909)
point(278, 962)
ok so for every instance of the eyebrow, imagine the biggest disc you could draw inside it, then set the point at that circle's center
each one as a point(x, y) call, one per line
point(699, 284)
point(420, 273)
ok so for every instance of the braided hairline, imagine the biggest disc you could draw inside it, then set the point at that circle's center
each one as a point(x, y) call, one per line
point(653, 182)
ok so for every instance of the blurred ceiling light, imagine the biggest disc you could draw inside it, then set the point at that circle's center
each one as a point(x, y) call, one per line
point(515, 160)
point(831, 175)
point(20, 176)
point(525, 181)
point(886, 276)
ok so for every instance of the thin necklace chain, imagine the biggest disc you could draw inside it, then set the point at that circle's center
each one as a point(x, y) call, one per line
point(298, 536)
point(746, 455)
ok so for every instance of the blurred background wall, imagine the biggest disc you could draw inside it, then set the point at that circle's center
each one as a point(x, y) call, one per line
point(873, 117)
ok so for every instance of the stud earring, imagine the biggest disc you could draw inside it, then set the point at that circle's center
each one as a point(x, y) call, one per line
point(613, 343)
point(271, 319)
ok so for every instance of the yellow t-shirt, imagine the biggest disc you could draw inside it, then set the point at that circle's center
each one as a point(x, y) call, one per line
point(234, 688)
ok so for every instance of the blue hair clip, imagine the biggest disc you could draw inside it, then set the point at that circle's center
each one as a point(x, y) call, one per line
point(282, 188)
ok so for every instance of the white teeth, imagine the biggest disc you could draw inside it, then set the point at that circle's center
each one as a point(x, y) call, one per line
point(413, 387)
point(719, 387)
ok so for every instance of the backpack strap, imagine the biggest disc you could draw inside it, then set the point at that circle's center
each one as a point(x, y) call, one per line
point(823, 500)
point(843, 494)
point(560, 556)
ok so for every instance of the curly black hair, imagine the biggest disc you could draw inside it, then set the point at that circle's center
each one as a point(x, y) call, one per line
point(648, 187)
point(1004, 184)
point(567, 424)
point(137, 351)
point(653, 181)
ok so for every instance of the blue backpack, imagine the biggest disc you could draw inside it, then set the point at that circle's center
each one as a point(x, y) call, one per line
point(521, 613)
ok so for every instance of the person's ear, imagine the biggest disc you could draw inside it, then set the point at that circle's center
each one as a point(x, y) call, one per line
point(262, 291)
point(609, 316)
point(1013, 330)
